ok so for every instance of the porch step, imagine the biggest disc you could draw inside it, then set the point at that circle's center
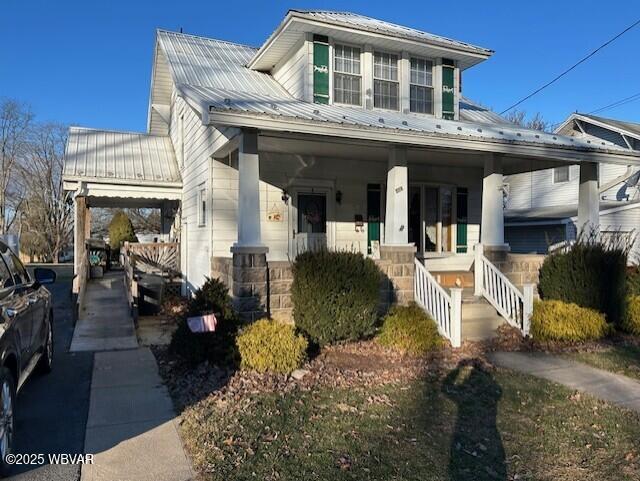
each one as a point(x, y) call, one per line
point(451, 279)
point(479, 319)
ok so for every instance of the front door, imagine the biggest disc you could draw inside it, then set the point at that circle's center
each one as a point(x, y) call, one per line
point(431, 219)
point(310, 232)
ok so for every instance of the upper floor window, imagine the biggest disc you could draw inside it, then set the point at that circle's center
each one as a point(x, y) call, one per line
point(385, 81)
point(421, 86)
point(561, 174)
point(347, 79)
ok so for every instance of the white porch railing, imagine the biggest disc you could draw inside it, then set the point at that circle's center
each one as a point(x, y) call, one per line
point(561, 247)
point(514, 306)
point(445, 309)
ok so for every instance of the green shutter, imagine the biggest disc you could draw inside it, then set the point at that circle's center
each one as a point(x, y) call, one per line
point(462, 209)
point(320, 69)
point(448, 88)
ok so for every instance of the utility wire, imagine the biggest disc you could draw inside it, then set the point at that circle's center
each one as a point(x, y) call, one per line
point(626, 100)
point(584, 59)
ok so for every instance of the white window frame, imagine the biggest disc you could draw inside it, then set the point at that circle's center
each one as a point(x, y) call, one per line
point(339, 72)
point(556, 170)
point(202, 205)
point(424, 59)
point(397, 81)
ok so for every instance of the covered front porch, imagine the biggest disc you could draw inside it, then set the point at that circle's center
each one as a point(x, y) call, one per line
point(277, 194)
point(117, 170)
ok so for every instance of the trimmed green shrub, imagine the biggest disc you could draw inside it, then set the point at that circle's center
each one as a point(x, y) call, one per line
point(272, 346)
point(409, 329)
point(633, 281)
point(563, 321)
point(218, 346)
point(591, 275)
point(120, 231)
point(335, 295)
point(631, 323)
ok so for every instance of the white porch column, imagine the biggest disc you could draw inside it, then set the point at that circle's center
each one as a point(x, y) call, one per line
point(249, 193)
point(492, 224)
point(396, 228)
point(588, 199)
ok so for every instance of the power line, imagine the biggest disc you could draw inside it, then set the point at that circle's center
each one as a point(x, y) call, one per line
point(626, 100)
point(584, 59)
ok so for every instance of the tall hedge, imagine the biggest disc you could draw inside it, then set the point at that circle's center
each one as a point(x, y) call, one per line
point(590, 275)
point(335, 295)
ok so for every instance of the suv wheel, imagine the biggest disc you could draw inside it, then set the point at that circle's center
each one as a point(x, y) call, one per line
point(7, 403)
point(46, 361)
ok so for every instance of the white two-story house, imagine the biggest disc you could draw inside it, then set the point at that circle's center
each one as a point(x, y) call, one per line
point(340, 131)
point(542, 206)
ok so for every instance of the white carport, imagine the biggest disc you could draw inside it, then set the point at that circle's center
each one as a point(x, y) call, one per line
point(118, 169)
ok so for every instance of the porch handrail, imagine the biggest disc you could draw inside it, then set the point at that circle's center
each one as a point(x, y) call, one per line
point(445, 309)
point(514, 306)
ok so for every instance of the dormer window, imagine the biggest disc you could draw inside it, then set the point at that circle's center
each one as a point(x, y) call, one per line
point(421, 86)
point(385, 81)
point(347, 78)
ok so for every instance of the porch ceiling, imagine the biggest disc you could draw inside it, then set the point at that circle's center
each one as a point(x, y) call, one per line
point(328, 147)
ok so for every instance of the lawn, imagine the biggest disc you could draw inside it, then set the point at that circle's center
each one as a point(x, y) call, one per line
point(621, 359)
point(467, 424)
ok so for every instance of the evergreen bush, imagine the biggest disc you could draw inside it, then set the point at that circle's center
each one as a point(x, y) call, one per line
point(631, 322)
point(271, 346)
point(335, 295)
point(120, 231)
point(564, 321)
point(409, 329)
point(591, 274)
point(218, 346)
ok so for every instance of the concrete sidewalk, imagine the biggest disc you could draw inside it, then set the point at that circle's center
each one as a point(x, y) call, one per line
point(131, 428)
point(614, 388)
point(105, 322)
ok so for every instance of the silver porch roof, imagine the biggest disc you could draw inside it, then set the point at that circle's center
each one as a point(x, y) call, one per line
point(221, 100)
point(120, 157)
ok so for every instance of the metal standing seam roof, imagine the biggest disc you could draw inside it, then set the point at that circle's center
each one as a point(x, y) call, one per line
point(362, 22)
point(215, 63)
point(213, 74)
point(221, 100)
point(119, 156)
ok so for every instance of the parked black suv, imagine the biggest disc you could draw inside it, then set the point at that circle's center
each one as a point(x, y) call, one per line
point(26, 336)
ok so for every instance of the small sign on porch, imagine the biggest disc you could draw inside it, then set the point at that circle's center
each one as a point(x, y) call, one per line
point(205, 323)
point(275, 213)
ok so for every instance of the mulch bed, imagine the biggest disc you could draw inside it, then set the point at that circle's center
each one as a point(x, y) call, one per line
point(358, 364)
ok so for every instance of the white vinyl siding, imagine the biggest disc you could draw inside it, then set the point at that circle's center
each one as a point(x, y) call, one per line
point(291, 71)
point(200, 142)
point(347, 79)
point(386, 88)
point(421, 86)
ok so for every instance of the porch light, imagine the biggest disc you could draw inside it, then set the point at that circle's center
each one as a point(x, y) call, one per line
point(285, 196)
point(339, 197)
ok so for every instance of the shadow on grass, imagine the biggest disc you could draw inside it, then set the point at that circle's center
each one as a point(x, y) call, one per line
point(476, 450)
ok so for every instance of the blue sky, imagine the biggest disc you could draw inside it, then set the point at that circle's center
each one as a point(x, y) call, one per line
point(89, 62)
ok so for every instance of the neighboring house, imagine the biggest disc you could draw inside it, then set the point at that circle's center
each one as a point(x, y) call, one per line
point(340, 131)
point(542, 206)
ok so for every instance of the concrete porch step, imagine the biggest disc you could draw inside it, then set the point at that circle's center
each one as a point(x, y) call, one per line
point(479, 318)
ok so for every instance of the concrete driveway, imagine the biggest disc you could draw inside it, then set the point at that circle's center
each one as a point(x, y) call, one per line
point(51, 411)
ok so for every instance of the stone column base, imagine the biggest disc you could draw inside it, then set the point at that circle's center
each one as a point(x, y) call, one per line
point(249, 282)
point(397, 265)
